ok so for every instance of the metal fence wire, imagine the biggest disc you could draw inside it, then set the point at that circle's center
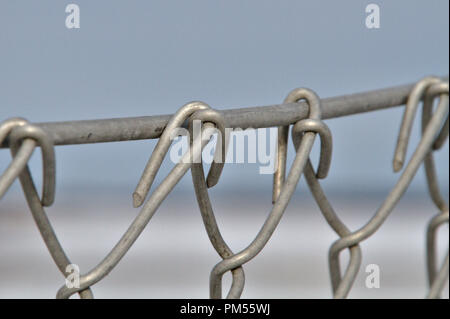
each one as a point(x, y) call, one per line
point(302, 109)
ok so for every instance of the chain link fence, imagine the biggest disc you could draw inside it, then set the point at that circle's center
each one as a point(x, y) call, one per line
point(305, 112)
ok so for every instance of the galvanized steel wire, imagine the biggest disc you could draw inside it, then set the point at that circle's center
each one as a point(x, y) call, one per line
point(305, 111)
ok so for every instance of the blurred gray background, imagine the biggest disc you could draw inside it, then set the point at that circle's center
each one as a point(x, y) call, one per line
point(133, 58)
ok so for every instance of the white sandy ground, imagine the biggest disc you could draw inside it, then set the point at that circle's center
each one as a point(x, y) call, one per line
point(173, 257)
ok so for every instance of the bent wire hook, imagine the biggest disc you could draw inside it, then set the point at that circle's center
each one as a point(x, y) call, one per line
point(155, 200)
point(18, 162)
point(32, 136)
point(160, 151)
point(425, 144)
point(23, 139)
point(414, 99)
point(436, 278)
point(280, 205)
point(204, 203)
point(442, 90)
point(315, 113)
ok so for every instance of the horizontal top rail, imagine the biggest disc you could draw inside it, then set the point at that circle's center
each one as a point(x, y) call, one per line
point(149, 127)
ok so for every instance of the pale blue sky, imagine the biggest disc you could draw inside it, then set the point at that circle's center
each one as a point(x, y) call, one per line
point(132, 58)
